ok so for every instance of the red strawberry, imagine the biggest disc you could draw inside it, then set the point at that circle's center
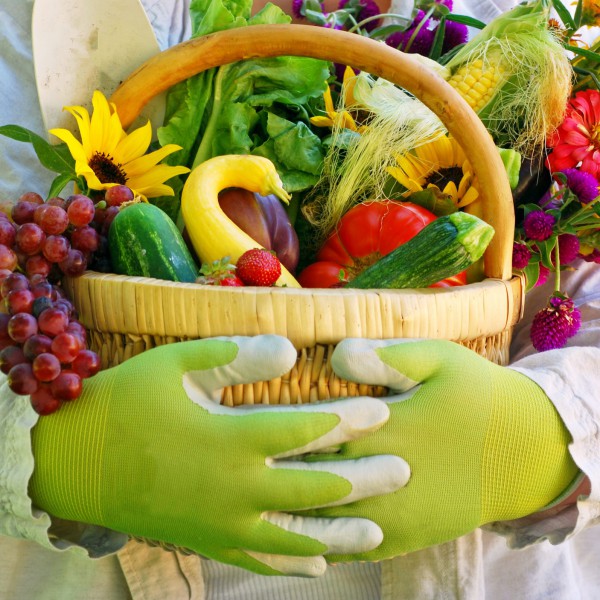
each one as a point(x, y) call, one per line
point(219, 272)
point(258, 267)
point(231, 281)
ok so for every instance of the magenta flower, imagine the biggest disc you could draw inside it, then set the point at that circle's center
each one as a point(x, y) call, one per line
point(538, 225)
point(454, 35)
point(568, 248)
point(593, 256)
point(543, 276)
point(422, 42)
point(368, 9)
point(521, 255)
point(583, 185)
point(297, 8)
point(555, 324)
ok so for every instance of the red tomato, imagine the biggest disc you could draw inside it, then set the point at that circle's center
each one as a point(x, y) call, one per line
point(365, 233)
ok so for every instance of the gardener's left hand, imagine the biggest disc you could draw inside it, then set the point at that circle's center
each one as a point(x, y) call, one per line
point(484, 442)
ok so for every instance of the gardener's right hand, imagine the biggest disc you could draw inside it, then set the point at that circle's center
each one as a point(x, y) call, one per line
point(147, 450)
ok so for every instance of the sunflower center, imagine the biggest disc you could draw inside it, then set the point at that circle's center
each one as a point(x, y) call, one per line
point(442, 177)
point(106, 170)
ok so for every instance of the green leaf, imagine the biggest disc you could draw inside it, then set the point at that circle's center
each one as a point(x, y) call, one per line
point(546, 247)
point(59, 183)
point(438, 40)
point(469, 21)
point(578, 14)
point(583, 52)
point(54, 158)
point(386, 31)
point(296, 146)
point(532, 274)
point(564, 15)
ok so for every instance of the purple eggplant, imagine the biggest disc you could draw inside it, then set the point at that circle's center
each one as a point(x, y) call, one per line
point(265, 220)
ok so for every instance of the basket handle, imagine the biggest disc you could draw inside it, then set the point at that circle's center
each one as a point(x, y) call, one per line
point(259, 41)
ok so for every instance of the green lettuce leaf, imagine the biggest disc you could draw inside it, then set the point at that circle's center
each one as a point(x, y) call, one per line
point(257, 106)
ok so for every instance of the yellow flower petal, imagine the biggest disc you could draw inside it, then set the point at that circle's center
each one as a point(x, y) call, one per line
point(134, 145)
point(321, 121)
point(450, 190)
point(328, 102)
point(465, 182)
point(73, 144)
point(349, 82)
point(471, 195)
point(157, 175)
point(148, 162)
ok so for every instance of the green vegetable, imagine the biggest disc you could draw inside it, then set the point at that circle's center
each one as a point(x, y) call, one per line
point(256, 106)
point(144, 241)
point(442, 249)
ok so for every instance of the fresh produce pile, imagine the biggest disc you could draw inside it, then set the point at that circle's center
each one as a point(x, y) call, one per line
point(292, 178)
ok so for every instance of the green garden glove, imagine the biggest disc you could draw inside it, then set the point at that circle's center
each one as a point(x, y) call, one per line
point(484, 442)
point(147, 450)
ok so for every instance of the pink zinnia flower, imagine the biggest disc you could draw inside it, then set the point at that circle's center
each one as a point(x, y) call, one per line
point(538, 225)
point(577, 139)
point(555, 324)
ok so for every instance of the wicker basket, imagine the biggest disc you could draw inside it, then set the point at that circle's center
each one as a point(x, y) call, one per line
point(127, 315)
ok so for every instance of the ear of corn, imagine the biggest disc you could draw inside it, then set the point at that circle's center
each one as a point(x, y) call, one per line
point(478, 82)
point(516, 76)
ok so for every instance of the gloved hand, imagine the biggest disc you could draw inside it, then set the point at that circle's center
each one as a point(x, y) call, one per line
point(148, 451)
point(484, 442)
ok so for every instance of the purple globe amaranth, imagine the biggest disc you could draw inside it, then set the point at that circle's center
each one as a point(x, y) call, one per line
point(297, 6)
point(583, 185)
point(555, 324)
point(399, 38)
point(593, 256)
point(568, 248)
point(538, 225)
point(543, 276)
point(368, 9)
point(550, 201)
point(521, 255)
point(454, 35)
point(420, 44)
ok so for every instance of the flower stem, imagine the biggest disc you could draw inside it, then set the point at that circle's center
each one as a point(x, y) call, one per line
point(364, 22)
point(557, 267)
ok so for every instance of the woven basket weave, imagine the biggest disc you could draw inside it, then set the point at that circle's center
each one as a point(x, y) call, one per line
point(127, 315)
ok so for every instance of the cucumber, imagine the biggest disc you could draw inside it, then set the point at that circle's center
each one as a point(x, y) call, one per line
point(442, 249)
point(144, 241)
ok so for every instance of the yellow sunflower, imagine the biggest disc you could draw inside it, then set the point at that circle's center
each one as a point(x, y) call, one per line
point(344, 118)
point(107, 156)
point(440, 164)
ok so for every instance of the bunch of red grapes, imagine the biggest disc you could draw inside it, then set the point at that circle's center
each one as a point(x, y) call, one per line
point(43, 346)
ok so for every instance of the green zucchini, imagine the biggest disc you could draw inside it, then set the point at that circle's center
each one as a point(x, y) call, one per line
point(442, 249)
point(143, 241)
